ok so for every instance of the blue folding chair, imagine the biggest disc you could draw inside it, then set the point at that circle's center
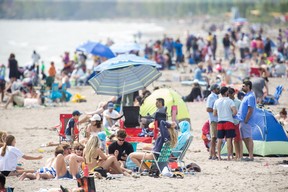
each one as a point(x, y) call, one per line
point(273, 99)
point(55, 93)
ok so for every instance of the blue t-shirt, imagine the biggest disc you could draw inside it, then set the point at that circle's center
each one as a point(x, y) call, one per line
point(70, 124)
point(249, 100)
point(210, 104)
point(178, 48)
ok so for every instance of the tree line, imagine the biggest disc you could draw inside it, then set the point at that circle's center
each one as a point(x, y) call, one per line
point(87, 10)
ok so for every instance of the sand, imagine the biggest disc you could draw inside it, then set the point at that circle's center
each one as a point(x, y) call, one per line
point(31, 129)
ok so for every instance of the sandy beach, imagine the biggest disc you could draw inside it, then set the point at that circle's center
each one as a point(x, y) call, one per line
point(31, 129)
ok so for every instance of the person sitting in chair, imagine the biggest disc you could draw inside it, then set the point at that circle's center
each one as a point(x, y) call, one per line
point(160, 104)
point(168, 133)
point(110, 116)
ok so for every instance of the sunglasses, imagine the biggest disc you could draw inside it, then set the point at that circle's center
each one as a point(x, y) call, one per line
point(80, 149)
point(121, 139)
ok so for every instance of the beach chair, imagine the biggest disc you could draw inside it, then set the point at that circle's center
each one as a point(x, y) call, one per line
point(132, 116)
point(55, 93)
point(273, 99)
point(64, 118)
point(66, 96)
point(131, 125)
point(179, 155)
point(162, 159)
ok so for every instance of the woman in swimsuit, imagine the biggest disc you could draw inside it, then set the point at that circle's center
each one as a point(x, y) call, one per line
point(94, 158)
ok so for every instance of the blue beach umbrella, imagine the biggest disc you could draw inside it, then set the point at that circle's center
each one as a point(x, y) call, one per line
point(125, 80)
point(125, 60)
point(95, 48)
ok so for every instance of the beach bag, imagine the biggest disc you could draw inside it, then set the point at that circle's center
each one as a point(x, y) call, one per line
point(87, 183)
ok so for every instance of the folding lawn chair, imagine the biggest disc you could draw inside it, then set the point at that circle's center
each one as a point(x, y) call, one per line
point(66, 96)
point(131, 123)
point(162, 159)
point(179, 155)
point(132, 116)
point(55, 93)
point(273, 99)
point(64, 118)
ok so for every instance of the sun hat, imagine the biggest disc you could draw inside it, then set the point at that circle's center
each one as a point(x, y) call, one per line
point(95, 117)
point(76, 112)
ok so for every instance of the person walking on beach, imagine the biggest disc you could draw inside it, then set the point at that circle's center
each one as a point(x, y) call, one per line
point(224, 110)
point(215, 88)
point(245, 115)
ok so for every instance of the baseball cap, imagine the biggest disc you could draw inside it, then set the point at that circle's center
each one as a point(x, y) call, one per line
point(110, 105)
point(76, 112)
point(95, 117)
point(214, 86)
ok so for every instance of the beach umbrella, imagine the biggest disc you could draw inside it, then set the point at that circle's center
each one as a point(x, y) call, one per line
point(125, 60)
point(125, 47)
point(95, 48)
point(121, 81)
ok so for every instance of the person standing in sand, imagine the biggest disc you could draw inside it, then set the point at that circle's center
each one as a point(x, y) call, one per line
point(246, 117)
point(237, 140)
point(215, 88)
point(71, 125)
point(224, 110)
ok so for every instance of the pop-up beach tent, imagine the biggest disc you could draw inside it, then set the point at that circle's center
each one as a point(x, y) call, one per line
point(269, 136)
point(171, 98)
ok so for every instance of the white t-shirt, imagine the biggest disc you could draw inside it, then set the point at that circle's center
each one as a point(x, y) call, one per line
point(223, 106)
point(113, 114)
point(10, 159)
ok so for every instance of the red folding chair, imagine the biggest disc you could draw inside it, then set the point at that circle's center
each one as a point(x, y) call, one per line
point(254, 72)
point(64, 118)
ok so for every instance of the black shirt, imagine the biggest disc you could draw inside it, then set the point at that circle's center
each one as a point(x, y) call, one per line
point(126, 148)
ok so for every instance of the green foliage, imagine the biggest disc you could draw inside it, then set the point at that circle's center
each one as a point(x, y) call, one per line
point(78, 10)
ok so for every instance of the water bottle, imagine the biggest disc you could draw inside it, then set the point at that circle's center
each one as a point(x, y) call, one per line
point(86, 171)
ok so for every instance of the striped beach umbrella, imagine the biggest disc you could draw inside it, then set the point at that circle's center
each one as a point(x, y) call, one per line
point(125, 60)
point(125, 80)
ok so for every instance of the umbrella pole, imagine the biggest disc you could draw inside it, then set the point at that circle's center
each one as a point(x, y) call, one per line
point(122, 99)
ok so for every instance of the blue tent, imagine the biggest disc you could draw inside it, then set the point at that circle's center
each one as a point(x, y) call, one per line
point(269, 136)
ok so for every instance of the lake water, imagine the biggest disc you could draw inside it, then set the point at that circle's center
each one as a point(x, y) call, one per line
point(51, 38)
